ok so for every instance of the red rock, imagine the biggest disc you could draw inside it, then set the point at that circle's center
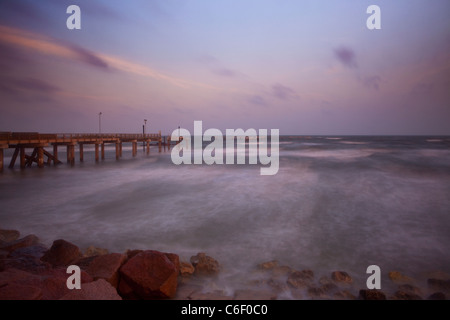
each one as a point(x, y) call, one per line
point(186, 269)
point(13, 275)
point(35, 251)
point(437, 296)
point(9, 235)
point(92, 251)
point(62, 253)
point(366, 294)
point(20, 243)
point(107, 267)
point(269, 265)
point(96, 290)
point(151, 274)
point(26, 263)
point(341, 276)
point(439, 284)
point(205, 265)
point(399, 278)
point(14, 291)
point(403, 295)
point(125, 291)
point(300, 279)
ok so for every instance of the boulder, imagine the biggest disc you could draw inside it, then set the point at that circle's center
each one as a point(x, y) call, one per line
point(438, 284)
point(92, 251)
point(36, 251)
point(269, 265)
point(403, 295)
point(96, 290)
point(205, 265)
point(399, 278)
point(151, 275)
point(186, 269)
point(371, 294)
point(341, 277)
point(14, 291)
point(246, 294)
point(20, 243)
point(9, 235)
point(344, 295)
point(62, 253)
point(300, 279)
point(107, 267)
point(437, 296)
point(317, 293)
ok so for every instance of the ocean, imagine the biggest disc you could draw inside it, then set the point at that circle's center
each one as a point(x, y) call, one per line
point(336, 203)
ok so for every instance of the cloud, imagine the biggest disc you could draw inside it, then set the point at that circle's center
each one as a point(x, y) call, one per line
point(346, 56)
point(282, 92)
point(370, 82)
point(88, 57)
point(257, 100)
point(225, 72)
point(36, 85)
point(49, 46)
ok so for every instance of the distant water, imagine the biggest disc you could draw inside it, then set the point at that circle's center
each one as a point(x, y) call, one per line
point(337, 203)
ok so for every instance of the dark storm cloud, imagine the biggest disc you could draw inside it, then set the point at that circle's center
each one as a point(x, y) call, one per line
point(282, 92)
point(346, 56)
point(88, 57)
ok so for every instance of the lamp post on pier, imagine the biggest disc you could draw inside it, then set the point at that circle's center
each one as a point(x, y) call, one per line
point(100, 122)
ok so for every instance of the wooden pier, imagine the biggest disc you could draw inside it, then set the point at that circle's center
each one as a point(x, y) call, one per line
point(37, 142)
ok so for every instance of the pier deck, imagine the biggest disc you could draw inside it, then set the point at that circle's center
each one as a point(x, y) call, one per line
point(20, 141)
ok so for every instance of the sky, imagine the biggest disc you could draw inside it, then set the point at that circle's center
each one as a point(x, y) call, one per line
point(306, 67)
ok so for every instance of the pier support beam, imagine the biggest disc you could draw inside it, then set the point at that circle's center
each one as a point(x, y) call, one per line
point(96, 151)
point(81, 152)
point(22, 158)
point(148, 146)
point(40, 157)
point(55, 154)
point(103, 151)
point(117, 150)
point(71, 154)
point(134, 148)
point(120, 148)
point(14, 157)
point(2, 146)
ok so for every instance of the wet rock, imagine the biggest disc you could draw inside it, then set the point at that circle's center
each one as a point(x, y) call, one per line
point(107, 267)
point(186, 269)
point(437, 296)
point(329, 287)
point(408, 288)
point(205, 265)
point(93, 251)
point(20, 243)
point(438, 284)
point(185, 291)
point(96, 290)
point(131, 253)
point(14, 291)
point(9, 235)
point(281, 271)
point(269, 265)
point(402, 295)
point(13, 275)
point(341, 277)
point(399, 278)
point(300, 279)
point(35, 251)
point(317, 293)
point(151, 275)
point(368, 294)
point(344, 295)
point(25, 262)
point(62, 253)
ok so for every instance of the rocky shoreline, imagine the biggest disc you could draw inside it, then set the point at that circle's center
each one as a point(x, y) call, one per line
point(31, 271)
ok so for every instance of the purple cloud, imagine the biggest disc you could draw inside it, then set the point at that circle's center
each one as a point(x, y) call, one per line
point(282, 92)
point(88, 57)
point(346, 56)
point(37, 85)
point(225, 72)
point(371, 82)
point(257, 100)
